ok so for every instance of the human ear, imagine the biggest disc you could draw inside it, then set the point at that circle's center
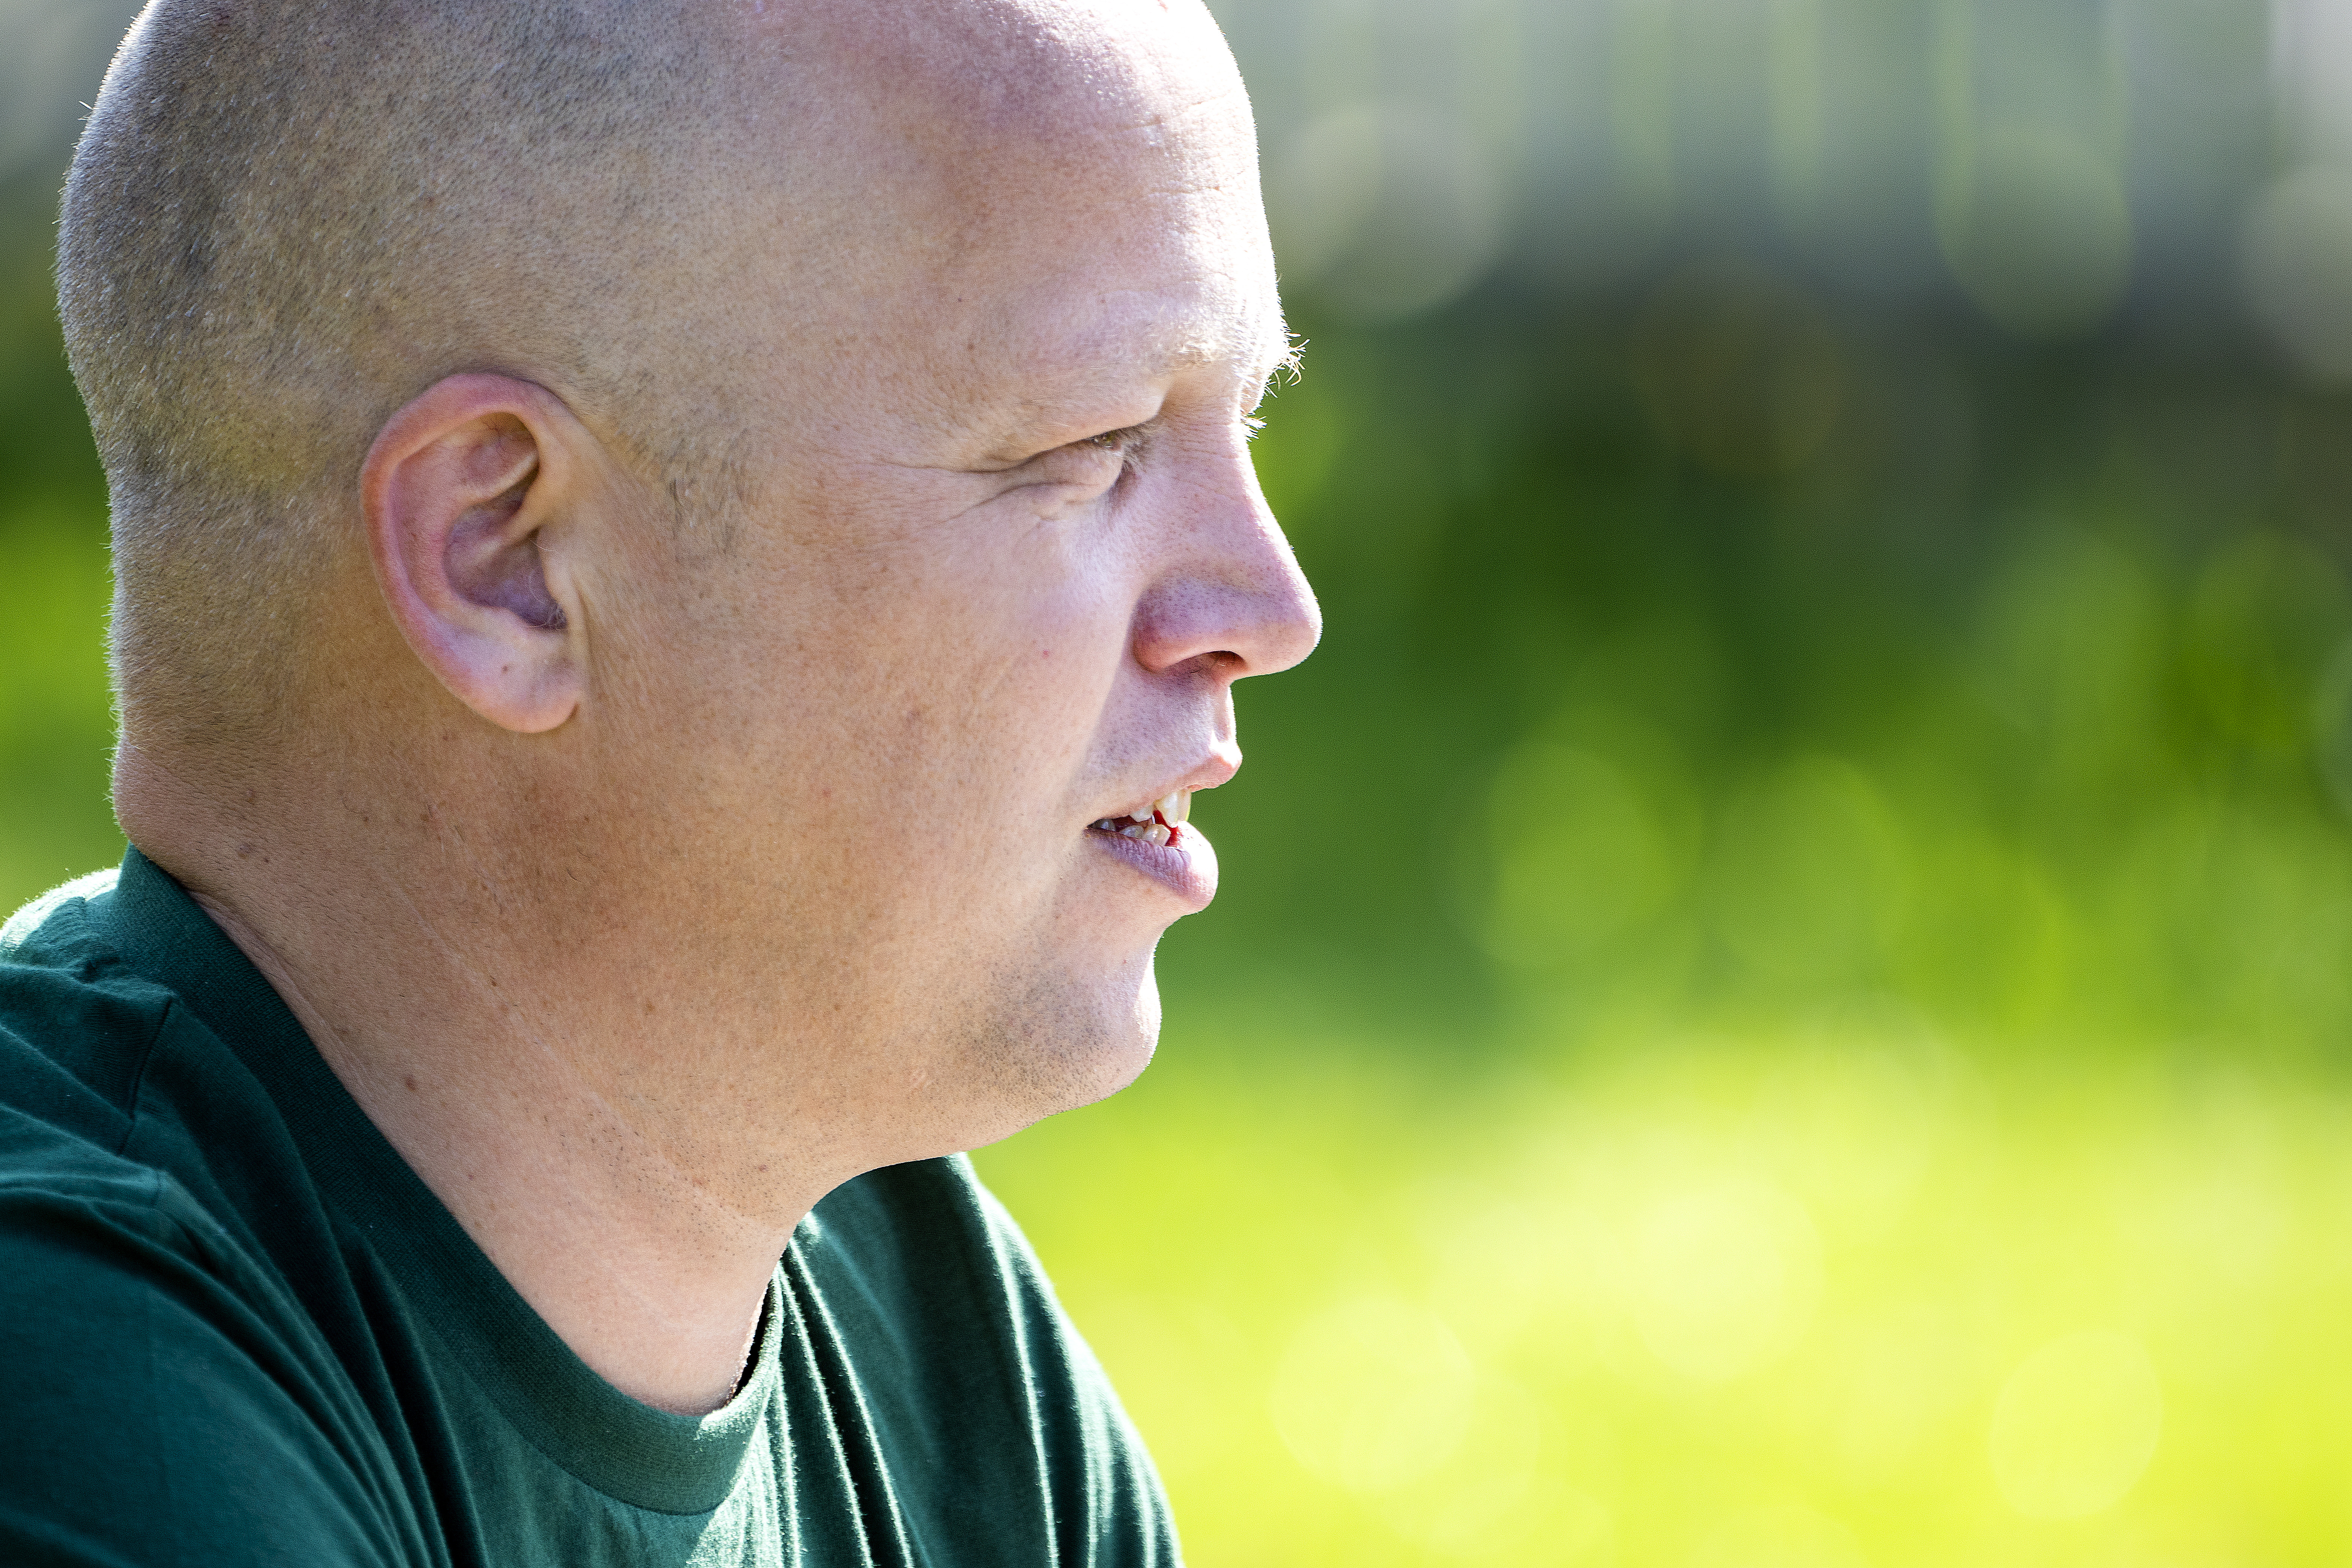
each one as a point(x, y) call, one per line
point(472, 494)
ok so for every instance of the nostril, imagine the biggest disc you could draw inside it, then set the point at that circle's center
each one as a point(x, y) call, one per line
point(1225, 627)
point(1216, 665)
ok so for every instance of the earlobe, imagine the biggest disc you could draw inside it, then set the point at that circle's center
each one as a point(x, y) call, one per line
point(472, 493)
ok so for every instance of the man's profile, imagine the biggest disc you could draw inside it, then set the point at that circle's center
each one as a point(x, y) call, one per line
point(678, 563)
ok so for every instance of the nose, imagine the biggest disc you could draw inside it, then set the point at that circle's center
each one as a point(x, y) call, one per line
point(1226, 590)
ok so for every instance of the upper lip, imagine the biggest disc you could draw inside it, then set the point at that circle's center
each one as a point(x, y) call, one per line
point(1206, 774)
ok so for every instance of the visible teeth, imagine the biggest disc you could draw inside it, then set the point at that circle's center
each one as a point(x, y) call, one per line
point(1160, 822)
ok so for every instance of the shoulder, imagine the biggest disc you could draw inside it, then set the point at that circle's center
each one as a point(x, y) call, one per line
point(922, 1207)
point(164, 1404)
point(929, 1237)
point(20, 926)
point(76, 1031)
point(76, 1023)
point(962, 1349)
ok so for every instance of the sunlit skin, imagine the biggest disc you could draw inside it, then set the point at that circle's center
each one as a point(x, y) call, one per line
point(643, 885)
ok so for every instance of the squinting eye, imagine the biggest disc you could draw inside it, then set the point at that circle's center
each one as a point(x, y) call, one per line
point(1124, 441)
point(1082, 462)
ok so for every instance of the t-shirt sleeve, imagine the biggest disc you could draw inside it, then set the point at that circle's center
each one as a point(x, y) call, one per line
point(159, 1410)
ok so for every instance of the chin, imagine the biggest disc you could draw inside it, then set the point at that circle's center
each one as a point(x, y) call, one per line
point(1064, 1043)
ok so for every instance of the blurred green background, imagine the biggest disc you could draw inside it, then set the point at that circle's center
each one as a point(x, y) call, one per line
point(1782, 990)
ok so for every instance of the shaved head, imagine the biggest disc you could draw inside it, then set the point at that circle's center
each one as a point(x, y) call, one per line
point(287, 217)
point(678, 566)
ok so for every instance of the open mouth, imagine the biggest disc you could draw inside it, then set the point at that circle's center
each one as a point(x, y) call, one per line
point(1160, 823)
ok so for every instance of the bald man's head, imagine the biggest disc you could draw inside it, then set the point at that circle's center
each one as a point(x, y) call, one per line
point(737, 513)
point(289, 217)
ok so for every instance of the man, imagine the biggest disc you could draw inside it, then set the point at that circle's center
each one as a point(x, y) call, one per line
point(677, 566)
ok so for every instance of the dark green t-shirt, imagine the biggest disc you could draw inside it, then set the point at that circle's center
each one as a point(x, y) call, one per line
point(236, 1328)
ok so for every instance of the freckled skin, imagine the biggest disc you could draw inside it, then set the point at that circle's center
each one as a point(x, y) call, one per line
point(644, 890)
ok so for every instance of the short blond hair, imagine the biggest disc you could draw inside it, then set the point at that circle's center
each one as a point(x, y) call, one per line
point(287, 217)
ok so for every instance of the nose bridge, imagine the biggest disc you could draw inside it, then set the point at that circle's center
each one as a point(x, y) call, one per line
point(1231, 584)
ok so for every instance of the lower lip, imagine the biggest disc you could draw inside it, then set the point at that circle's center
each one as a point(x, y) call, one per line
point(1187, 867)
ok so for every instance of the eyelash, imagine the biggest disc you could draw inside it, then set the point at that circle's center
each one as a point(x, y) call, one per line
point(1126, 442)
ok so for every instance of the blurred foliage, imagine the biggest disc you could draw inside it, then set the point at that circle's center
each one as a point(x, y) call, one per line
point(1779, 992)
point(55, 724)
point(1824, 1297)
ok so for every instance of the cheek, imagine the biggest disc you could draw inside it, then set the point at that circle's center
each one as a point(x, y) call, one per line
point(949, 695)
point(1030, 641)
point(869, 703)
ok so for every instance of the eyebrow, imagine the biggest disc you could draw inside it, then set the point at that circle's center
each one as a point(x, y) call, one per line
point(1293, 354)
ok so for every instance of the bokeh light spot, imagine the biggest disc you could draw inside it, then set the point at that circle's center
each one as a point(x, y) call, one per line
point(2296, 255)
point(1725, 1279)
point(1781, 1536)
point(2038, 233)
point(1582, 855)
point(1486, 1500)
point(1388, 209)
point(1814, 873)
point(1373, 1394)
point(2076, 1425)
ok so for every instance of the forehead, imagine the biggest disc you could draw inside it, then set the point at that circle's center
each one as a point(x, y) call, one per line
point(1067, 329)
point(1154, 278)
point(1039, 200)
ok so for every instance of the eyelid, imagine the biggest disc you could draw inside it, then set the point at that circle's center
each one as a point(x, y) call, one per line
point(1127, 438)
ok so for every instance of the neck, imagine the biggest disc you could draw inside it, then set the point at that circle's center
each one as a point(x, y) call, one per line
point(519, 1092)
